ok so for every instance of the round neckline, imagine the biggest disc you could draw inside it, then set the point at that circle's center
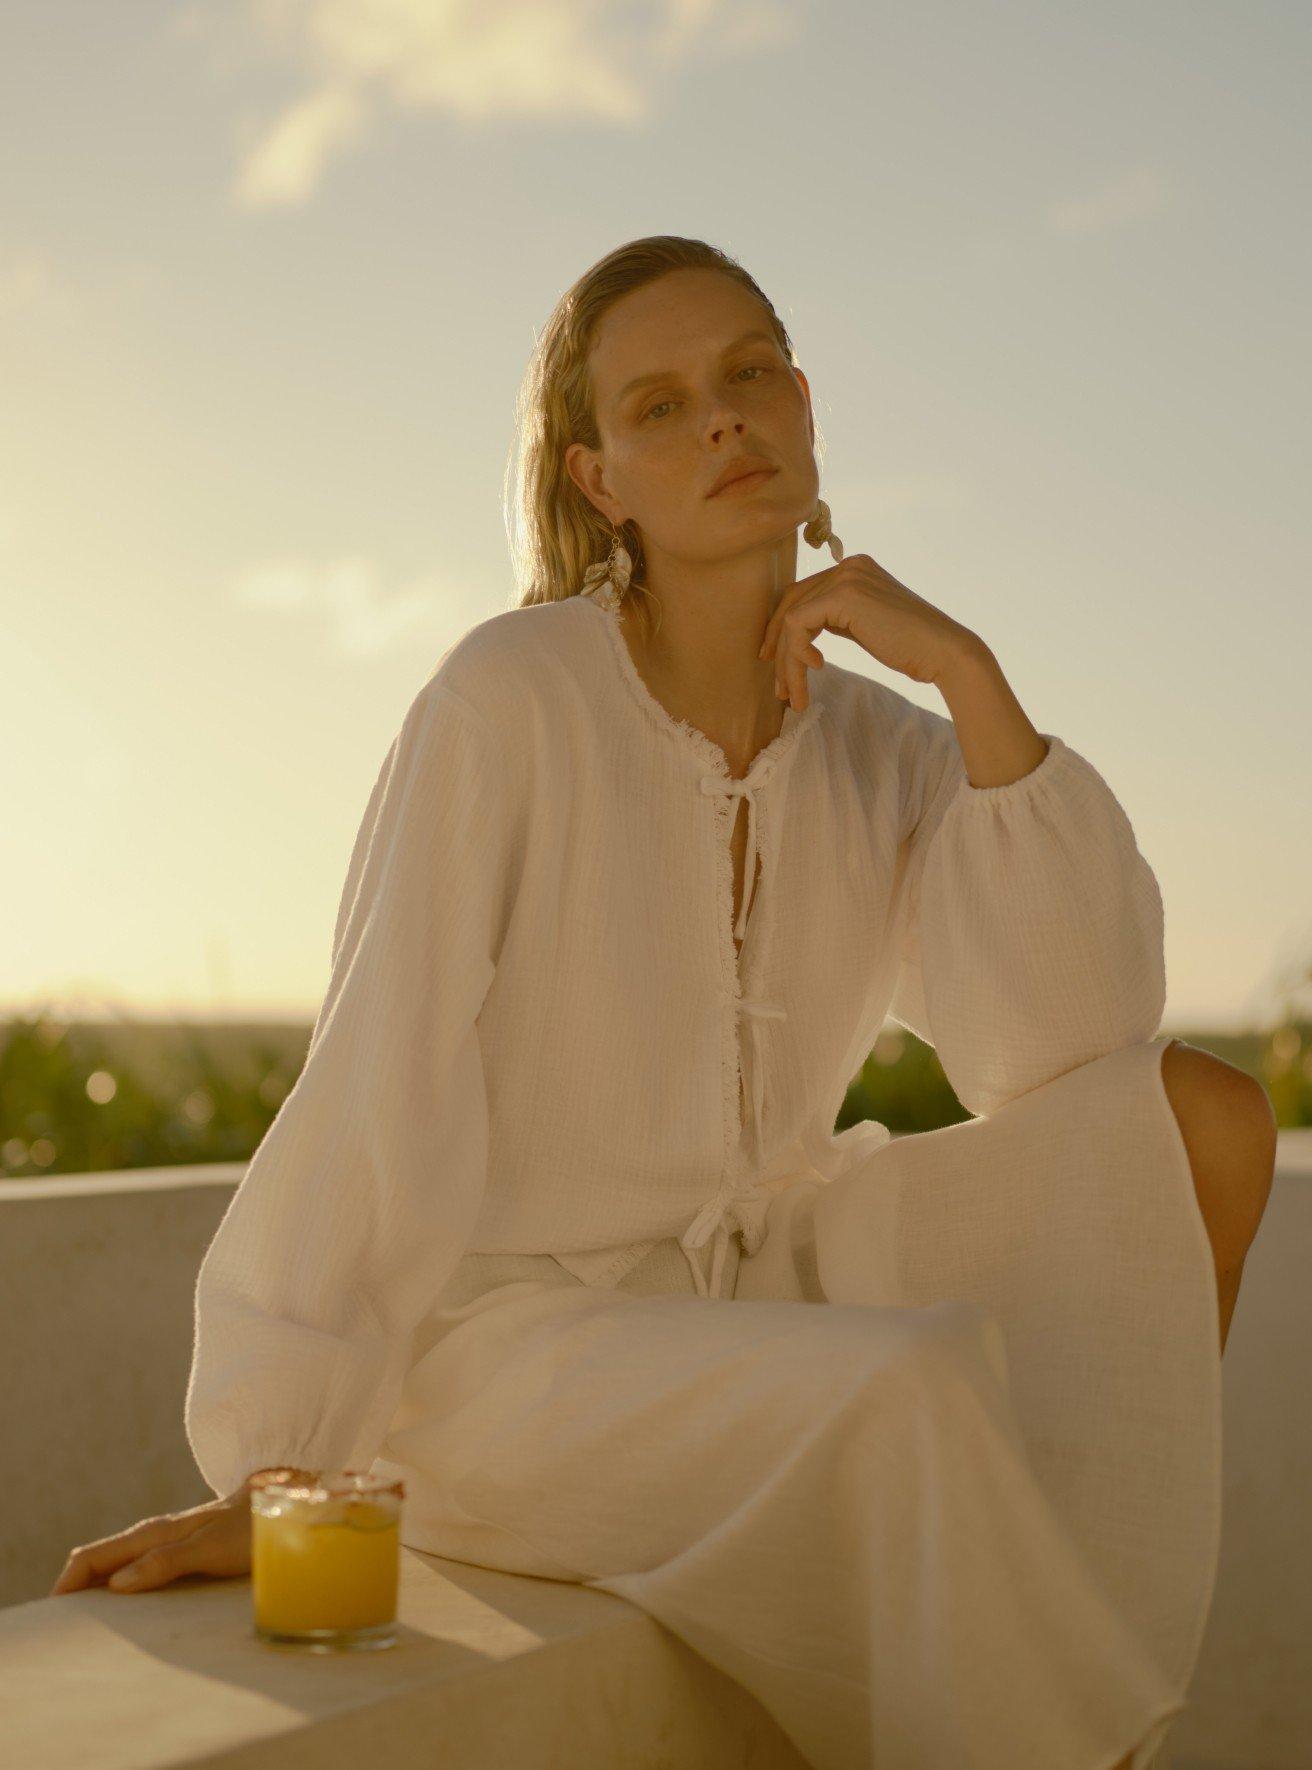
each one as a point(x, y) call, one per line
point(682, 730)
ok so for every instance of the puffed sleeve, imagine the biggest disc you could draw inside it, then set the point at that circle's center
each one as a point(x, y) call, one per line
point(1032, 938)
point(365, 1189)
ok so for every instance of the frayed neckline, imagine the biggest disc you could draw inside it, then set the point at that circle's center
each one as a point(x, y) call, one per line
point(681, 730)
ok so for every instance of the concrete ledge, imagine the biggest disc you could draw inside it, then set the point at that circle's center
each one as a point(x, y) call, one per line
point(491, 1669)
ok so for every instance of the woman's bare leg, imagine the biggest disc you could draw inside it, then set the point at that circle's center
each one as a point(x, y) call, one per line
point(1229, 1130)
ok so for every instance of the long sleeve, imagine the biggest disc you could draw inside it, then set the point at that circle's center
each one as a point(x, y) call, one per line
point(1033, 938)
point(365, 1189)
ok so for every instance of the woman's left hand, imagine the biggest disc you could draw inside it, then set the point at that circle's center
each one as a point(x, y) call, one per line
point(859, 598)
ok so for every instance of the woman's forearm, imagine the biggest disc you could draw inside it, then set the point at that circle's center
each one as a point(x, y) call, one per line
point(999, 745)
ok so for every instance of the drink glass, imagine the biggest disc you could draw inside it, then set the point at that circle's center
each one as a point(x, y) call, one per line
point(325, 1558)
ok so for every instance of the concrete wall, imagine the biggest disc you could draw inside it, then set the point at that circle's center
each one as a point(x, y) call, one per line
point(96, 1279)
point(97, 1273)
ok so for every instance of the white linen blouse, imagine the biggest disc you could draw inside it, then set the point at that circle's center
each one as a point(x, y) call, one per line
point(537, 1035)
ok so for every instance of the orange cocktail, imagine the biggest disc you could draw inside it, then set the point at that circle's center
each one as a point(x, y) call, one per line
point(325, 1558)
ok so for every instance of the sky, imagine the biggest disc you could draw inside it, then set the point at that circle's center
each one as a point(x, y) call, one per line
point(270, 275)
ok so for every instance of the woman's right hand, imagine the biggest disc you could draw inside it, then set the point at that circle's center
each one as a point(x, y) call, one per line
point(213, 1538)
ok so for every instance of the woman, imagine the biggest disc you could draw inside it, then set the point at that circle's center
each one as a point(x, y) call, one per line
point(533, 1227)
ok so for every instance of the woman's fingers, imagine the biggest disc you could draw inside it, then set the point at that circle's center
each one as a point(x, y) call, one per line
point(790, 673)
point(156, 1567)
point(95, 1561)
point(222, 1548)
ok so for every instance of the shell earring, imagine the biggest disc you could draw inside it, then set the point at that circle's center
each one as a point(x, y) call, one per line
point(607, 581)
point(820, 529)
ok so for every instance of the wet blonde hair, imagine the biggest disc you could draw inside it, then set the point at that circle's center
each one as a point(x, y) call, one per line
point(555, 532)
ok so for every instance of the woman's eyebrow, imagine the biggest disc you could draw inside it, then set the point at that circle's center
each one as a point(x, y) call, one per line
point(666, 374)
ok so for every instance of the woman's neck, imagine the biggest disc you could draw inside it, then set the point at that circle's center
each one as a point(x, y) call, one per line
point(703, 668)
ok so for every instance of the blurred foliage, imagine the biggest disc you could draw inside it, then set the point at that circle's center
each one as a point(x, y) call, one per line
point(78, 1097)
point(902, 1083)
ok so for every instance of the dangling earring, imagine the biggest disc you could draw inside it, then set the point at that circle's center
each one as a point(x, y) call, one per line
point(820, 529)
point(607, 581)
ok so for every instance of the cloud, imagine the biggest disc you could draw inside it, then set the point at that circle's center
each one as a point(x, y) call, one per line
point(1141, 192)
point(32, 283)
point(286, 164)
point(362, 619)
point(29, 280)
point(554, 60)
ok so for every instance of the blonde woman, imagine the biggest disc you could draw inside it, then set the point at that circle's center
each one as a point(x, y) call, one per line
point(918, 1439)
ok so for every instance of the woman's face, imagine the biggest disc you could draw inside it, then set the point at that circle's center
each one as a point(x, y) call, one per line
point(706, 392)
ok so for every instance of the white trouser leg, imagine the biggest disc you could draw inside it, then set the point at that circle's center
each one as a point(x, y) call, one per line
point(829, 1503)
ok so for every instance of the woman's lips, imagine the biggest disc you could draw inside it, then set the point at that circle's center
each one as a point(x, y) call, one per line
point(747, 479)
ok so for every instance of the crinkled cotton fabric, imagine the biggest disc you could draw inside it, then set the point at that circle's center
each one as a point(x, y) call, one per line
point(966, 1513)
point(539, 1042)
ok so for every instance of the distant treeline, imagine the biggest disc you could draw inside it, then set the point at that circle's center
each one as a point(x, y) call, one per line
point(81, 1096)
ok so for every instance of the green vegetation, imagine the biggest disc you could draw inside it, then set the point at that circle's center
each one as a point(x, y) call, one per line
point(85, 1096)
point(77, 1098)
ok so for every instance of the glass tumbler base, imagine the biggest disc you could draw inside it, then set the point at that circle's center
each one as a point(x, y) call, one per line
point(331, 1640)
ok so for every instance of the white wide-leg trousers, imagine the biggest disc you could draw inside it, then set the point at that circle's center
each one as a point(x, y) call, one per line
point(939, 1483)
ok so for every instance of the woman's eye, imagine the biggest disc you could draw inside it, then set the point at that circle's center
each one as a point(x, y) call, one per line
point(748, 369)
